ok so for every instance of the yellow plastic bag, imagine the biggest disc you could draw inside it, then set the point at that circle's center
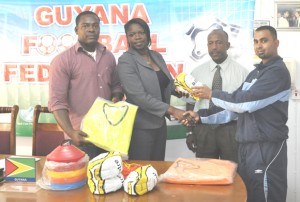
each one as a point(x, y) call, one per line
point(109, 125)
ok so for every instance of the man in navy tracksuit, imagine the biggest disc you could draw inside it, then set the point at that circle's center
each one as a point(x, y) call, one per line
point(261, 106)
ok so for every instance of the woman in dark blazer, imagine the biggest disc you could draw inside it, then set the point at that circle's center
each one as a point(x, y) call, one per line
point(149, 85)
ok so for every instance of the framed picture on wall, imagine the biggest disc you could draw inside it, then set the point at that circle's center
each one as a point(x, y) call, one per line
point(287, 15)
point(258, 23)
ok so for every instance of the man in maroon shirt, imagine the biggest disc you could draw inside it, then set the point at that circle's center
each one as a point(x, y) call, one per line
point(78, 76)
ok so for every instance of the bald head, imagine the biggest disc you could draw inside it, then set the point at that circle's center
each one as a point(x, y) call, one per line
point(219, 32)
point(217, 45)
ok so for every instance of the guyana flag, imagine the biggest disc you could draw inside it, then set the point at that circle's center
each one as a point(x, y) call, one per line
point(18, 169)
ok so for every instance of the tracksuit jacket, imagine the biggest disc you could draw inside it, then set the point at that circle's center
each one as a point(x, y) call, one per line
point(260, 103)
point(261, 106)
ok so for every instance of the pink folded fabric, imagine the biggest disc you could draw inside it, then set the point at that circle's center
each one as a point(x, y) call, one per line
point(200, 171)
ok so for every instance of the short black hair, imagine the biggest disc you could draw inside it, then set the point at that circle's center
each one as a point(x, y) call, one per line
point(85, 13)
point(270, 28)
point(142, 23)
point(220, 30)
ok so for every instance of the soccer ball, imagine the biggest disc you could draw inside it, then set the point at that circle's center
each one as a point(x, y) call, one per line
point(65, 41)
point(141, 181)
point(47, 44)
point(105, 173)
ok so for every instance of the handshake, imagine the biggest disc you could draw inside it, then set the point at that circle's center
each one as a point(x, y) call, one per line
point(187, 118)
point(187, 86)
point(190, 118)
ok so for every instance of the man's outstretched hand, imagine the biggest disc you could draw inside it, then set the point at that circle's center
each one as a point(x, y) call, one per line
point(190, 118)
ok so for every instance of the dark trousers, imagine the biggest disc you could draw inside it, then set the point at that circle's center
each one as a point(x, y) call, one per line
point(216, 142)
point(148, 144)
point(263, 167)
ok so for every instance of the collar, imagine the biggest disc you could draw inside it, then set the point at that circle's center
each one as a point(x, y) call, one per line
point(133, 51)
point(99, 47)
point(224, 65)
point(271, 61)
point(136, 54)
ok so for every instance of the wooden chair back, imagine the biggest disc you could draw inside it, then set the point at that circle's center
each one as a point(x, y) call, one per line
point(45, 136)
point(8, 130)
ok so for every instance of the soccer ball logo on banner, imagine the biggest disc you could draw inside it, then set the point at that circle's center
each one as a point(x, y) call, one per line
point(199, 31)
point(65, 42)
point(47, 44)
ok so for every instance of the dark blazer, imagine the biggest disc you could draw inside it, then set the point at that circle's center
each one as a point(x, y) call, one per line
point(142, 88)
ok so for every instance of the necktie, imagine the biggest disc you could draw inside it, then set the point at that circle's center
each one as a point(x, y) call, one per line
point(216, 83)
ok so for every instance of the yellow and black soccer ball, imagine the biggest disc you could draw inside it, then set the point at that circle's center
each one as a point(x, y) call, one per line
point(141, 181)
point(105, 173)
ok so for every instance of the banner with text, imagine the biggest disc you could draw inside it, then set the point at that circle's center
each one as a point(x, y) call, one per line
point(33, 32)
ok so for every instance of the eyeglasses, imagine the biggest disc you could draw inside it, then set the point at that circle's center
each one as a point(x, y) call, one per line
point(133, 34)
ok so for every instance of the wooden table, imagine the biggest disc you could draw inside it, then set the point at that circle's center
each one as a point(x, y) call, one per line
point(235, 192)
